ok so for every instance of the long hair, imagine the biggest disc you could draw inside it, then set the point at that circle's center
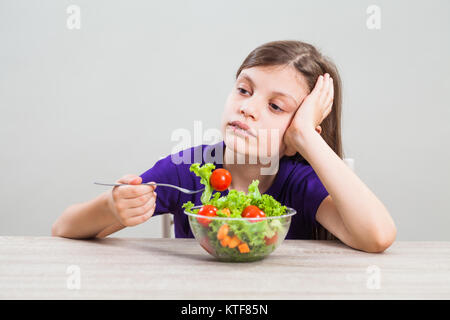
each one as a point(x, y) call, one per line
point(305, 58)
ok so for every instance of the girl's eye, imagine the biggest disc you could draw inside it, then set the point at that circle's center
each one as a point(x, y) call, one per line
point(275, 107)
point(240, 90)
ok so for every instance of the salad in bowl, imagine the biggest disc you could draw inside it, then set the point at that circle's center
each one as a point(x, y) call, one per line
point(240, 226)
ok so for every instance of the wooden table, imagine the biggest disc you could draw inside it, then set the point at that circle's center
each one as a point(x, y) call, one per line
point(137, 268)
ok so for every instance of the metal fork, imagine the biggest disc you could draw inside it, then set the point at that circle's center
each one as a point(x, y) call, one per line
point(149, 183)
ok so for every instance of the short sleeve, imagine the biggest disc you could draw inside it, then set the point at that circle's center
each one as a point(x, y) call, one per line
point(307, 194)
point(164, 171)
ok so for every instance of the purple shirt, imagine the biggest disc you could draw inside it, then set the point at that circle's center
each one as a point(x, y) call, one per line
point(296, 185)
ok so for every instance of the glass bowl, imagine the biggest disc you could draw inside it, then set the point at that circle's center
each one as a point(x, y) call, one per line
point(239, 239)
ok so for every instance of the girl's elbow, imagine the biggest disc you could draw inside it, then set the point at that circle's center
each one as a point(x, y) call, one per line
point(384, 236)
point(381, 245)
point(383, 241)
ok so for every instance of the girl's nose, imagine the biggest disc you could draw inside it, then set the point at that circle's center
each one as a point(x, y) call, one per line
point(248, 110)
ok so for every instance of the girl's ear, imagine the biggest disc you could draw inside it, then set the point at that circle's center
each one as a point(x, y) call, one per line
point(319, 129)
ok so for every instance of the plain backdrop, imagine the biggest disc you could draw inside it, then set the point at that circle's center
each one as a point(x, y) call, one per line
point(95, 103)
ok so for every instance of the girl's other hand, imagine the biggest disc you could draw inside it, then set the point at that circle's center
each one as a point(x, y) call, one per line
point(313, 110)
point(134, 204)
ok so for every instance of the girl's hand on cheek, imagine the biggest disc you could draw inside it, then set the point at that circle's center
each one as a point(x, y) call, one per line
point(313, 110)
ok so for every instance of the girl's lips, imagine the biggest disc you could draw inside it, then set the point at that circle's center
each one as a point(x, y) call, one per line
point(240, 125)
point(240, 131)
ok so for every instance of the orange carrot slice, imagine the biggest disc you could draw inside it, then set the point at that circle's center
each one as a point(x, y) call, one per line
point(234, 242)
point(223, 231)
point(226, 211)
point(243, 248)
point(225, 241)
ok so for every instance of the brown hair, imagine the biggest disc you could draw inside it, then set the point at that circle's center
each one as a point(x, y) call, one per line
point(305, 58)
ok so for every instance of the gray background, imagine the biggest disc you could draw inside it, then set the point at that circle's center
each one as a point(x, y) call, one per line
point(79, 106)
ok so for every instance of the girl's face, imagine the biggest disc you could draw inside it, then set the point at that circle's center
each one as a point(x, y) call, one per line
point(265, 99)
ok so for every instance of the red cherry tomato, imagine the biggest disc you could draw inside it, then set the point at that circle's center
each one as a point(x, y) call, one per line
point(208, 211)
point(272, 240)
point(220, 179)
point(253, 212)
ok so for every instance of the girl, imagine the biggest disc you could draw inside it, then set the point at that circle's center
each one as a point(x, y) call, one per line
point(282, 86)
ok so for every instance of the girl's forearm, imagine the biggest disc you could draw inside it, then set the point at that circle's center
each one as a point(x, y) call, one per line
point(363, 214)
point(85, 220)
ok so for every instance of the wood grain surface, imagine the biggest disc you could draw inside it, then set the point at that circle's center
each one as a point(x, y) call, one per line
point(138, 268)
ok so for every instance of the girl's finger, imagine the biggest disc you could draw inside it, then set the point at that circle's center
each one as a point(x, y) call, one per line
point(330, 93)
point(141, 218)
point(138, 201)
point(134, 191)
point(328, 110)
point(319, 84)
point(325, 87)
point(135, 212)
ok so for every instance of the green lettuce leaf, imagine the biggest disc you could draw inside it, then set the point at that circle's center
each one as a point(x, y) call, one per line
point(253, 191)
point(188, 206)
point(204, 172)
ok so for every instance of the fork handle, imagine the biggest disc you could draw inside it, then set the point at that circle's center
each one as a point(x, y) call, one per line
point(123, 184)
